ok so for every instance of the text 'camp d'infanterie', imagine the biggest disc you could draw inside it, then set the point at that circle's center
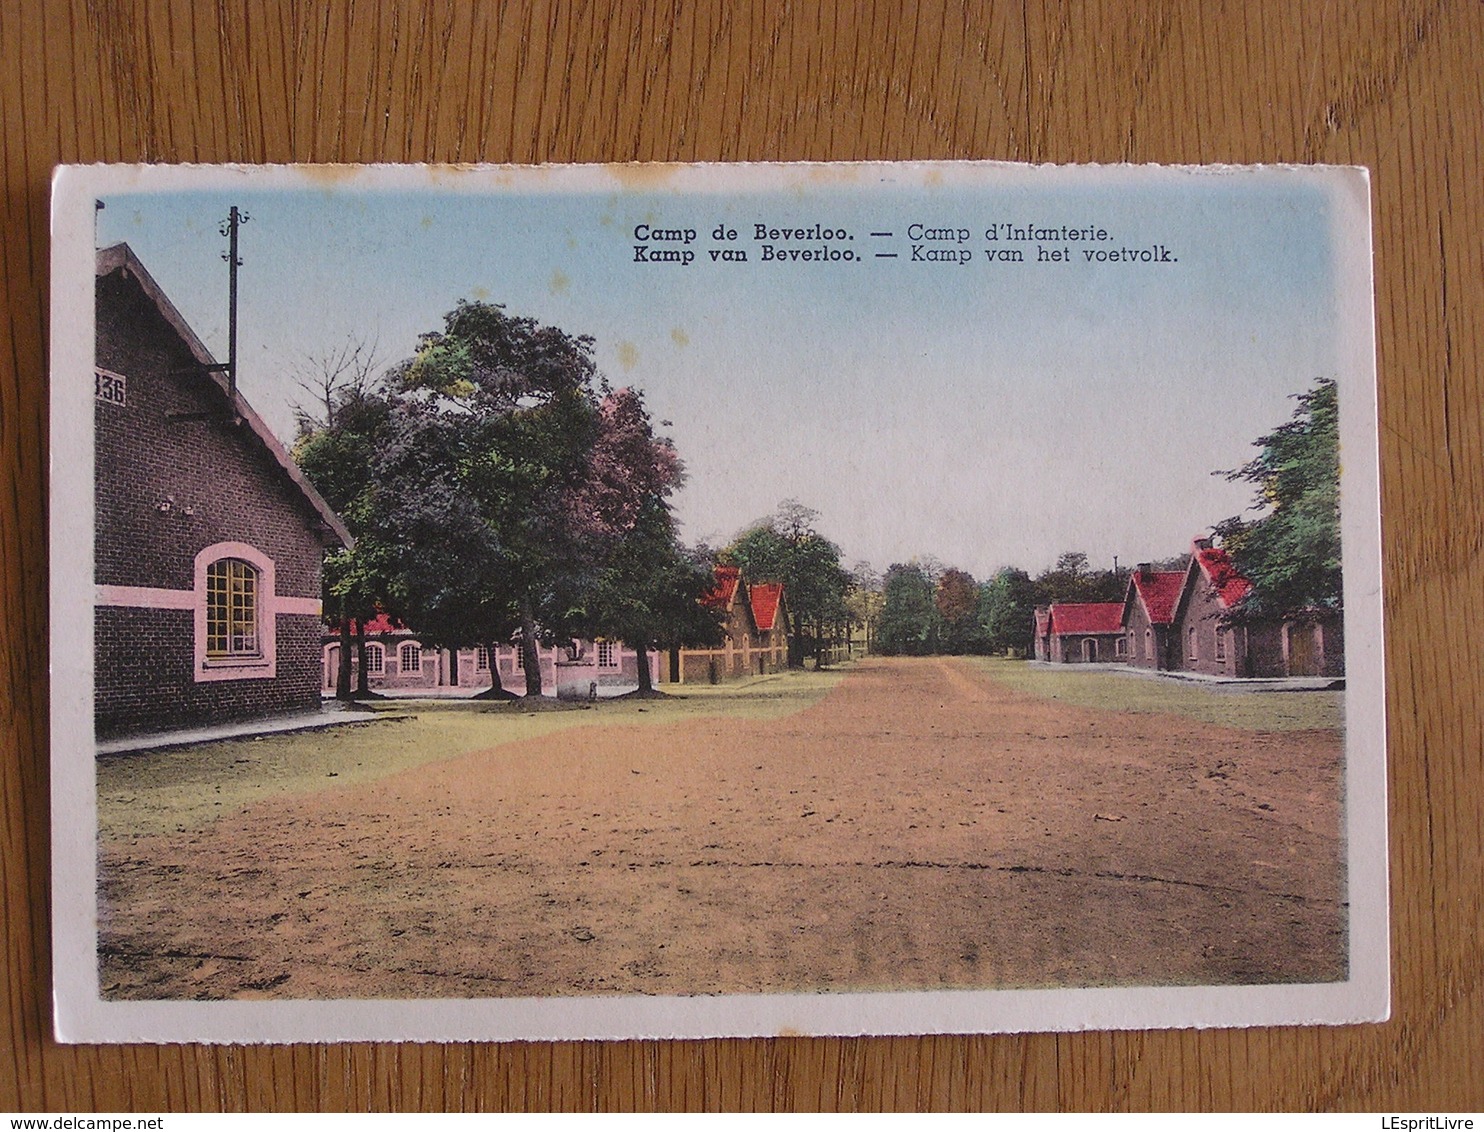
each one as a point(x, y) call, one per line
point(916, 243)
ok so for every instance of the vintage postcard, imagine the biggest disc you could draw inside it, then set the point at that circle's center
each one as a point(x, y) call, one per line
point(601, 602)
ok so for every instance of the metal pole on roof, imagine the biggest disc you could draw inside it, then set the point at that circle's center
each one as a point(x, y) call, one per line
point(235, 218)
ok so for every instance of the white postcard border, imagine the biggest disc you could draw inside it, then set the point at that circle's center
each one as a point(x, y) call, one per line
point(82, 1016)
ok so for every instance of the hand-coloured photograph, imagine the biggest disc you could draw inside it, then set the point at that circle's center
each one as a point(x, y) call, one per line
point(584, 602)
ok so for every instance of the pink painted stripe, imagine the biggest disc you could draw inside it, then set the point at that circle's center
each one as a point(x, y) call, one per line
point(145, 597)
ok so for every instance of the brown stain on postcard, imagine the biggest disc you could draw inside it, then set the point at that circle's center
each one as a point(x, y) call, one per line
point(638, 176)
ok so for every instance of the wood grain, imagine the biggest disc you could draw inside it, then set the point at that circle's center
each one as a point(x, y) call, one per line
point(1395, 86)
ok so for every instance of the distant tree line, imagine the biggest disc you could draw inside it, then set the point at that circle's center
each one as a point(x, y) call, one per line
point(928, 609)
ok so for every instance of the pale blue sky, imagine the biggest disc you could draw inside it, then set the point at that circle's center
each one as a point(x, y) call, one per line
point(986, 414)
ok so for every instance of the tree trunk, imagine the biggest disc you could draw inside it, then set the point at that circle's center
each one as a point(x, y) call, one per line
point(641, 654)
point(496, 686)
point(528, 648)
point(342, 666)
point(363, 686)
point(496, 690)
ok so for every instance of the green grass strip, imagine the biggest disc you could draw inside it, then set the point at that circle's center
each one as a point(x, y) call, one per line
point(184, 788)
point(1117, 691)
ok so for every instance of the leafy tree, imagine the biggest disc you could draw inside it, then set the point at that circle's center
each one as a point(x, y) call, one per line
point(449, 568)
point(910, 623)
point(392, 467)
point(628, 468)
point(957, 600)
point(1073, 580)
point(646, 588)
point(520, 403)
point(338, 454)
point(957, 596)
point(1073, 563)
point(785, 547)
point(506, 482)
point(1007, 604)
point(1291, 554)
point(864, 599)
point(649, 591)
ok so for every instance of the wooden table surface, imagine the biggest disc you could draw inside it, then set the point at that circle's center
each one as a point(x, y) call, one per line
point(1394, 86)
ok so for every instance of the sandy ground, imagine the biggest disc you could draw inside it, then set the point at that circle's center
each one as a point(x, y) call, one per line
point(921, 826)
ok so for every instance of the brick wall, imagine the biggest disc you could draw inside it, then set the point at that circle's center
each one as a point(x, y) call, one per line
point(1196, 629)
point(143, 679)
point(1066, 648)
point(1145, 639)
point(167, 486)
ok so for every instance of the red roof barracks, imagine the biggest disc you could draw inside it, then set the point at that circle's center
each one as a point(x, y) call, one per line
point(1182, 621)
point(755, 628)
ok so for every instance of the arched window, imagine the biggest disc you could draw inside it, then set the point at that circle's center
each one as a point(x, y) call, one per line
point(1190, 643)
point(375, 659)
point(410, 657)
point(232, 610)
point(1220, 644)
point(235, 608)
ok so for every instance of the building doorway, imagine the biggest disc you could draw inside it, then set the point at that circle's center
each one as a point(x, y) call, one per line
point(1303, 649)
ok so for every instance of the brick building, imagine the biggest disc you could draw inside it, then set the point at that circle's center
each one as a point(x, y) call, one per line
point(1189, 621)
point(755, 628)
point(1211, 591)
point(397, 660)
point(1212, 642)
point(1087, 632)
point(208, 540)
point(1041, 639)
point(770, 615)
point(1149, 615)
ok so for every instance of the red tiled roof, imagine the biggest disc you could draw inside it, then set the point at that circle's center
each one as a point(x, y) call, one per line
point(765, 598)
point(1230, 586)
point(725, 589)
point(1087, 617)
point(1159, 591)
point(381, 623)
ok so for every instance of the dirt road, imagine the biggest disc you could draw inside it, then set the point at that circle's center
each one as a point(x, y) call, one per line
point(920, 827)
